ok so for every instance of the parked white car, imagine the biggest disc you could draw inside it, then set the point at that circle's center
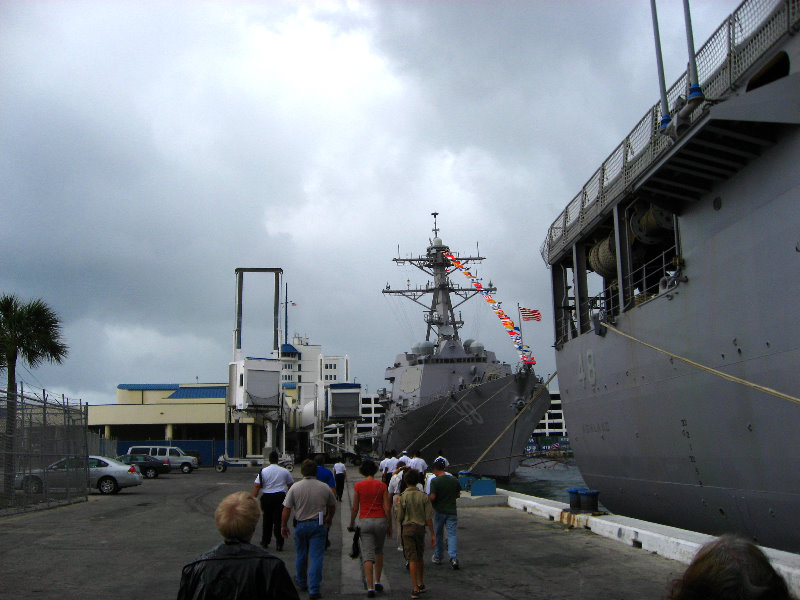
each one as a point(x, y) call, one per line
point(106, 474)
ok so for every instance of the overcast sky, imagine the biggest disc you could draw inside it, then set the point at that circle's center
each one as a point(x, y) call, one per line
point(147, 149)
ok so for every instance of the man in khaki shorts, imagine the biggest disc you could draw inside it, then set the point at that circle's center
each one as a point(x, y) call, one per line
point(415, 512)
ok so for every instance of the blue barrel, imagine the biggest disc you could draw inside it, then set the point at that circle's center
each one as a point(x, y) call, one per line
point(483, 487)
point(588, 500)
point(575, 499)
point(466, 478)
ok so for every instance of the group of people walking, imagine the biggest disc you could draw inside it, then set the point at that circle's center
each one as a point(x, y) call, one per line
point(414, 507)
point(411, 502)
point(419, 508)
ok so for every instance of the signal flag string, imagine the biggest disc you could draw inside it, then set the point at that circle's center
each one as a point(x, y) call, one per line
point(512, 330)
point(542, 387)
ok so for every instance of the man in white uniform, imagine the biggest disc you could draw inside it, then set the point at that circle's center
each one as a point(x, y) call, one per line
point(418, 463)
point(404, 459)
point(273, 481)
point(340, 476)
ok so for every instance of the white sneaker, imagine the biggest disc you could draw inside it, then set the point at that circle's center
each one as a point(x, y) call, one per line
point(436, 560)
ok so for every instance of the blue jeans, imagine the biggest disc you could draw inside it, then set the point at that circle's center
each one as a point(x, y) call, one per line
point(309, 540)
point(441, 522)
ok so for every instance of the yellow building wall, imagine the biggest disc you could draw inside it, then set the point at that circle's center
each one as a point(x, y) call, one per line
point(147, 414)
point(141, 397)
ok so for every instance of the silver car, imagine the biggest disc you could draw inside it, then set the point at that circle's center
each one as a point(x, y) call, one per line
point(106, 474)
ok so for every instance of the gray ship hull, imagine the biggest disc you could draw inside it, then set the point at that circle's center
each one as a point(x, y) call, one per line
point(662, 439)
point(464, 424)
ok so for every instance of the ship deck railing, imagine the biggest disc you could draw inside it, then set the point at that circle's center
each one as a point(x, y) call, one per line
point(652, 279)
point(746, 35)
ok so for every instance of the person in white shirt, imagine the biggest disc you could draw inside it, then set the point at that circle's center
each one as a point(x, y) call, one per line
point(396, 486)
point(428, 478)
point(418, 463)
point(442, 458)
point(340, 476)
point(383, 466)
point(391, 465)
point(404, 459)
point(273, 481)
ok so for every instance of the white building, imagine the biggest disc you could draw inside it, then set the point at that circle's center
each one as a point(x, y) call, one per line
point(552, 424)
point(306, 376)
point(367, 427)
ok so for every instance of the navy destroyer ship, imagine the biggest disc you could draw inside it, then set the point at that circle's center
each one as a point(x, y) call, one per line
point(453, 395)
point(676, 295)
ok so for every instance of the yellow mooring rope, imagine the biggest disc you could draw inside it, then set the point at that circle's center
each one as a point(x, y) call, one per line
point(744, 382)
point(514, 420)
point(462, 418)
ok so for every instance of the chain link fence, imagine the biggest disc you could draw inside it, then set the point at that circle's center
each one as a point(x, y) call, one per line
point(43, 460)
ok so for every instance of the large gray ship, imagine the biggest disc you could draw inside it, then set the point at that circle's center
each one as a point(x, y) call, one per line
point(676, 295)
point(453, 395)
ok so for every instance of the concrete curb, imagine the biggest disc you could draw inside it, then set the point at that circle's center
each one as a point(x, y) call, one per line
point(669, 542)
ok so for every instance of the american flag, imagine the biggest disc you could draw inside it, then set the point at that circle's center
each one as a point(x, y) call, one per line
point(528, 314)
point(555, 446)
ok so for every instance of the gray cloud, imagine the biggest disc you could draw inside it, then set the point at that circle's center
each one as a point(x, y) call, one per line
point(149, 148)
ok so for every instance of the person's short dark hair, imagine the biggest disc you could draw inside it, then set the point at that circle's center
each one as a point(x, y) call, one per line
point(412, 477)
point(388, 454)
point(273, 457)
point(308, 468)
point(368, 468)
point(439, 465)
point(730, 568)
point(320, 458)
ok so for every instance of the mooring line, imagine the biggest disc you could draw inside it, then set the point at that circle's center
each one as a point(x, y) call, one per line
point(514, 420)
point(437, 417)
point(711, 370)
point(465, 416)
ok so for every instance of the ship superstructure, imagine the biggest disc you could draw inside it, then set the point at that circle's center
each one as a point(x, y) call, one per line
point(451, 394)
point(675, 270)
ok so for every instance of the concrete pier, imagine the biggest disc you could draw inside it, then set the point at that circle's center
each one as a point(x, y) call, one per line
point(133, 545)
point(670, 542)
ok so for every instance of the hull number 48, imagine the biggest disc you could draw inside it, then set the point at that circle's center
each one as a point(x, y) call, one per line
point(586, 370)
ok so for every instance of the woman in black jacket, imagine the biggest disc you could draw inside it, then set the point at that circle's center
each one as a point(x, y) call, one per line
point(235, 568)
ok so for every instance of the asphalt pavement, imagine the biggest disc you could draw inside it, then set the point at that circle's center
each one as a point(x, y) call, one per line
point(132, 546)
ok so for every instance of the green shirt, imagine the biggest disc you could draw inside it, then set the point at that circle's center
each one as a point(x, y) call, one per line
point(414, 507)
point(447, 490)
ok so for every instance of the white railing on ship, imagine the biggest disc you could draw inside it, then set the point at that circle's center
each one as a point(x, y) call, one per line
point(738, 43)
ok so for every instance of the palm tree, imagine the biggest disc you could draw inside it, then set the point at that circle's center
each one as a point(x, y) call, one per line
point(32, 332)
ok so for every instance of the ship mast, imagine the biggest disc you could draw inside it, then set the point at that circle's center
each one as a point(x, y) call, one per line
point(440, 314)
